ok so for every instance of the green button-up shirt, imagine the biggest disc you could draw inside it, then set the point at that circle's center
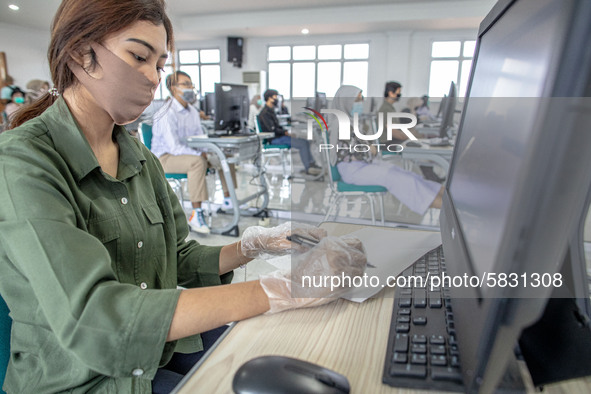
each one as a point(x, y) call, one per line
point(89, 264)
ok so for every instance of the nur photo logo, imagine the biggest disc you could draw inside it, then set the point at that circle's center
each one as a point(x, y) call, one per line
point(391, 122)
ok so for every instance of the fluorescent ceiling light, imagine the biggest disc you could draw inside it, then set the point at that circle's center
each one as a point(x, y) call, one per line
point(13, 7)
point(305, 31)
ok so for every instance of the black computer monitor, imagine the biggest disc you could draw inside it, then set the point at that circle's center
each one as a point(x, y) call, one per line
point(321, 102)
point(208, 103)
point(231, 108)
point(518, 191)
point(448, 109)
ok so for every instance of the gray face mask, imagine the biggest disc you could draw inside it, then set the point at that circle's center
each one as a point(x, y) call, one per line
point(122, 91)
point(189, 96)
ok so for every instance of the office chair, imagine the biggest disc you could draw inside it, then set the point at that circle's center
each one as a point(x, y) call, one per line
point(5, 327)
point(340, 189)
point(269, 150)
point(174, 178)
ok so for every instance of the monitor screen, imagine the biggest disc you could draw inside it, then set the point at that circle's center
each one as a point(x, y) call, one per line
point(208, 104)
point(231, 107)
point(514, 58)
point(321, 102)
point(516, 190)
point(448, 111)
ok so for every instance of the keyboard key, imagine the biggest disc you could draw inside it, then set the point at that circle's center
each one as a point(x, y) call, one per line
point(449, 374)
point(418, 359)
point(401, 343)
point(437, 349)
point(404, 302)
point(455, 361)
point(419, 339)
point(435, 301)
point(418, 348)
point(439, 360)
point(403, 319)
point(404, 328)
point(404, 311)
point(419, 321)
point(400, 358)
point(408, 370)
point(406, 292)
point(437, 340)
point(420, 297)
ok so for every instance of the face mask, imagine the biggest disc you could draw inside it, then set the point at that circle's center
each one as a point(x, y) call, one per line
point(259, 102)
point(398, 96)
point(122, 91)
point(275, 102)
point(357, 108)
point(19, 100)
point(189, 95)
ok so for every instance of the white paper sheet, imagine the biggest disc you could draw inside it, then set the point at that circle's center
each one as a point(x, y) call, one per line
point(391, 252)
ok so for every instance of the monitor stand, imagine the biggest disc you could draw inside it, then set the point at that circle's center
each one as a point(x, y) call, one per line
point(558, 345)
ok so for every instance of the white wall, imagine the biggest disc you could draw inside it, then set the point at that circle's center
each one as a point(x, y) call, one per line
point(395, 55)
point(26, 53)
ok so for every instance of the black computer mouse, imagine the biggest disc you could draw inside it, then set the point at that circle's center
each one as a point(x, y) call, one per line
point(285, 375)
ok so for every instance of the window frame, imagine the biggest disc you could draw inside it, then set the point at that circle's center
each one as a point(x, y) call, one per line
point(460, 59)
point(162, 87)
point(341, 60)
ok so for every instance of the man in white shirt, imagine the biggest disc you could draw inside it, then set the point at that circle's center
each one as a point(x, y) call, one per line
point(176, 121)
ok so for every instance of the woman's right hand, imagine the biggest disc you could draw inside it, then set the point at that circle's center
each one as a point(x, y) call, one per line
point(311, 282)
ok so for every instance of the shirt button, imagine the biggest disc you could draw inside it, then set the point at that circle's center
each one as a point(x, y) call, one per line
point(143, 285)
point(140, 244)
point(124, 201)
point(137, 372)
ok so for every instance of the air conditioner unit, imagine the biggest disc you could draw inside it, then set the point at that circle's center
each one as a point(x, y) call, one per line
point(254, 77)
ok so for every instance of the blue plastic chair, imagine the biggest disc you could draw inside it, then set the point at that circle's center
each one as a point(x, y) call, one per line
point(340, 189)
point(175, 178)
point(5, 327)
point(270, 150)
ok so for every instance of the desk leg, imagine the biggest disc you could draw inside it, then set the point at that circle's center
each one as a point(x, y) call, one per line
point(232, 228)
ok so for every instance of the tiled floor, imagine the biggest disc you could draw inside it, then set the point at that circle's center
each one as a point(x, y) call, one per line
point(299, 199)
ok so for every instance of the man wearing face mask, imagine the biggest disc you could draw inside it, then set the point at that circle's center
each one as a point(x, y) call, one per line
point(269, 123)
point(176, 121)
point(392, 94)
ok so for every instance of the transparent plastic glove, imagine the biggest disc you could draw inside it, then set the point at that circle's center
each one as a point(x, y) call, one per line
point(318, 276)
point(262, 242)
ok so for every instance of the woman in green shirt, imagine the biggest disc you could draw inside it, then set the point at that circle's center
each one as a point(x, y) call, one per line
point(92, 238)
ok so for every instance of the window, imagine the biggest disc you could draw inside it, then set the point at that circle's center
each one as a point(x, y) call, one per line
point(202, 65)
point(450, 61)
point(303, 70)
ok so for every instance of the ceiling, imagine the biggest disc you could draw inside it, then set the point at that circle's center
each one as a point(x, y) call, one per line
point(200, 19)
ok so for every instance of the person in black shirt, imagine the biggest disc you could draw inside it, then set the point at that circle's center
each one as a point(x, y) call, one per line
point(270, 124)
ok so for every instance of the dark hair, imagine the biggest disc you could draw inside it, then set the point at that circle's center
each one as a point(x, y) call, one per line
point(269, 93)
point(14, 90)
point(391, 86)
point(76, 25)
point(175, 76)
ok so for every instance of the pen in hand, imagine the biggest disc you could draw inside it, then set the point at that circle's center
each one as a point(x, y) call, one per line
point(309, 242)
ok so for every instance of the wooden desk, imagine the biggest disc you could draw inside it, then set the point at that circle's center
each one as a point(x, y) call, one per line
point(346, 337)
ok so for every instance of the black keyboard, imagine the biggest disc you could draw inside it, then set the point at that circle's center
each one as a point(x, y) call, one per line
point(422, 349)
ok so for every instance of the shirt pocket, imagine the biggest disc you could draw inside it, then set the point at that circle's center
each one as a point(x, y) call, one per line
point(108, 231)
point(155, 253)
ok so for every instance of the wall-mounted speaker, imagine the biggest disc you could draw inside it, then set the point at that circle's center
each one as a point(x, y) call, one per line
point(235, 51)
